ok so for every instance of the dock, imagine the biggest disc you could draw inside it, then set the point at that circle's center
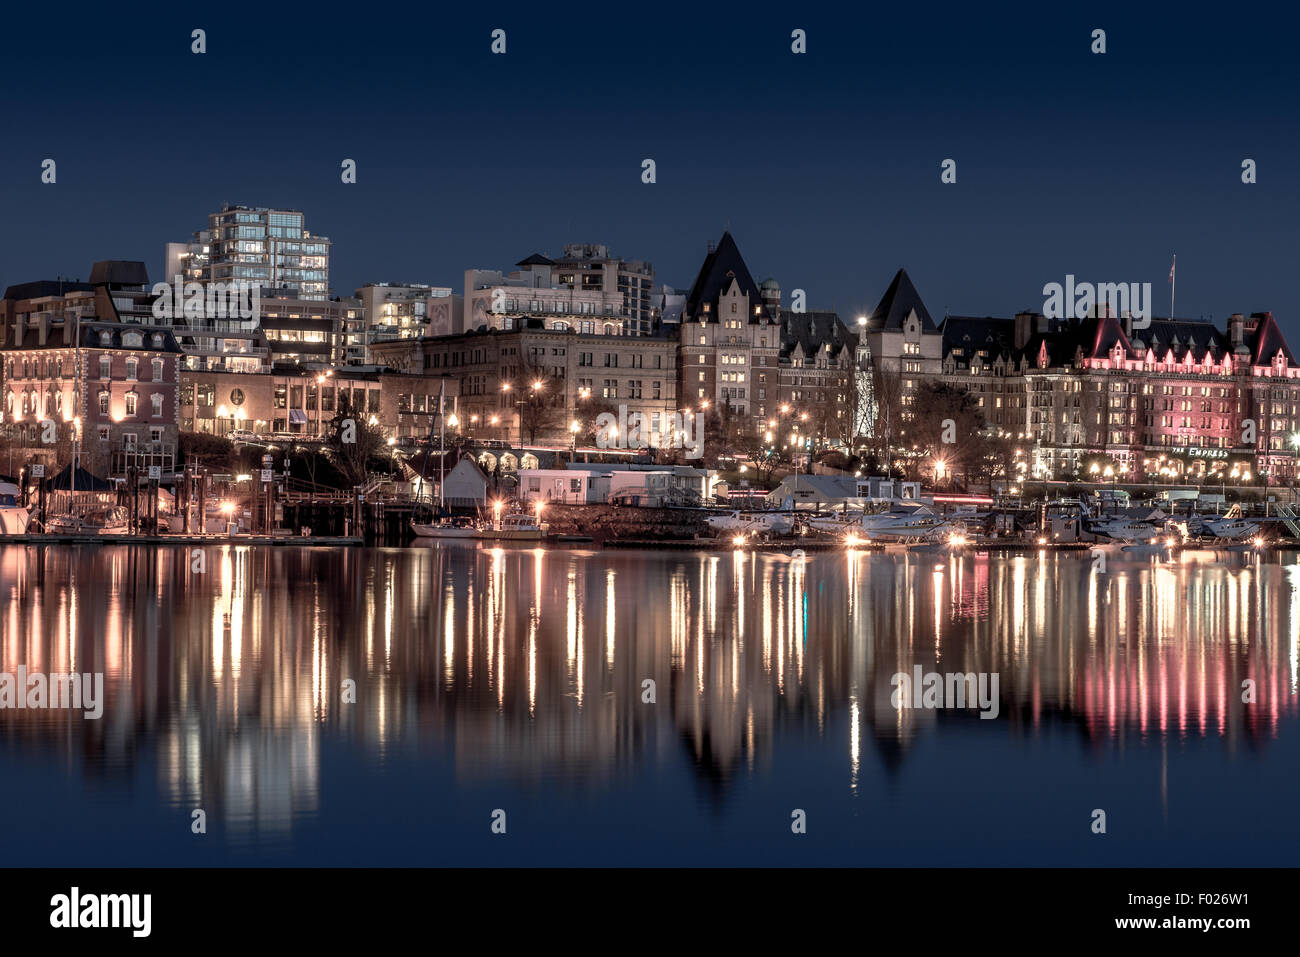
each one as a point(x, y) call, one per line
point(289, 541)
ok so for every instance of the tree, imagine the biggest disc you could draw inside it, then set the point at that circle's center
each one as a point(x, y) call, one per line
point(351, 443)
point(540, 401)
point(945, 429)
point(763, 454)
point(887, 414)
point(212, 451)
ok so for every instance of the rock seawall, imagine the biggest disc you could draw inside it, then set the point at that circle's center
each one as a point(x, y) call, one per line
point(603, 522)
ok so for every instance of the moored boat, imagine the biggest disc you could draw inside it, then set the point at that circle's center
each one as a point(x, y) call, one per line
point(106, 520)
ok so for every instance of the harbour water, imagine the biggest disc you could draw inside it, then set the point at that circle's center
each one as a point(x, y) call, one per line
point(515, 680)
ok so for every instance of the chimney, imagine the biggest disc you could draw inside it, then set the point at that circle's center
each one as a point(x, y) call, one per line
point(1024, 328)
point(1236, 323)
point(43, 329)
point(1128, 324)
point(20, 325)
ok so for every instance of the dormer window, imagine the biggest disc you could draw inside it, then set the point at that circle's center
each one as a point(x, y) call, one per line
point(105, 338)
point(157, 340)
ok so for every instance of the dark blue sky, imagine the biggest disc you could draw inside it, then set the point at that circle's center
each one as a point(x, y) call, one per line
point(825, 166)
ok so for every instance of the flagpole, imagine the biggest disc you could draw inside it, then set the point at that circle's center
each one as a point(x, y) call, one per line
point(1173, 285)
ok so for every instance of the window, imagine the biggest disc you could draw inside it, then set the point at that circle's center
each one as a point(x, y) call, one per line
point(132, 368)
point(156, 400)
point(105, 367)
point(130, 403)
point(103, 433)
point(103, 402)
point(157, 372)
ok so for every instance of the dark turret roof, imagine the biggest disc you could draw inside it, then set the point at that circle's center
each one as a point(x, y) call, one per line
point(898, 302)
point(720, 267)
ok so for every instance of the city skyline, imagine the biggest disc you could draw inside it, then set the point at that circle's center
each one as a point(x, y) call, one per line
point(1098, 167)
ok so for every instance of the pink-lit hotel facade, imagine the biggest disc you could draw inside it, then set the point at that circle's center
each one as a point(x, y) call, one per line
point(1178, 400)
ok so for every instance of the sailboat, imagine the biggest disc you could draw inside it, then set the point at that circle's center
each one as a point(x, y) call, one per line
point(443, 525)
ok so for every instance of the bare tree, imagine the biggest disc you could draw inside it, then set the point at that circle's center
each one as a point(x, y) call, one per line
point(540, 400)
point(351, 443)
point(887, 418)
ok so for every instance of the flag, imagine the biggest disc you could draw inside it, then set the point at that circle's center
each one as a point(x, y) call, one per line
point(1171, 269)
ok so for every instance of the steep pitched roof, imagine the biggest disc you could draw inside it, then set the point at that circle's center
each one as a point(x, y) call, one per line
point(1269, 341)
point(995, 336)
point(812, 330)
point(721, 266)
point(1180, 335)
point(898, 302)
point(1106, 334)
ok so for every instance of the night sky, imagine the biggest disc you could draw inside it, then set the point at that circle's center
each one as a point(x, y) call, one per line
point(825, 166)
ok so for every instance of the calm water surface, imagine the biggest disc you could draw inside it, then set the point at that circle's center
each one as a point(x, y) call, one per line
point(513, 679)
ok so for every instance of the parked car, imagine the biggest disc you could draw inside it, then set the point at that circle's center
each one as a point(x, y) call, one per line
point(242, 435)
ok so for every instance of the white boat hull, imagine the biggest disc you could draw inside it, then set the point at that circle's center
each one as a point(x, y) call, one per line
point(444, 531)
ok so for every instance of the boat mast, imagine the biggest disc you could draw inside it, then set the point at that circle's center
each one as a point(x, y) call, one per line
point(442, 445)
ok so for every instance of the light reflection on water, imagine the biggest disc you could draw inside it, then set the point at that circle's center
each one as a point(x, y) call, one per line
point(478, 670)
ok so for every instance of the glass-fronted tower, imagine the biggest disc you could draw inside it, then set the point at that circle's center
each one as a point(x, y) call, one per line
point(256, 244)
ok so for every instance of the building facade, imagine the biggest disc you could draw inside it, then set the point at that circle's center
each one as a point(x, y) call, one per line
point(302, 402)
point(539, 379)
point(743, 353)
point(1182, 399)
point(591, 267)
point(80, 374)
point(532, 292)
point(408, 312)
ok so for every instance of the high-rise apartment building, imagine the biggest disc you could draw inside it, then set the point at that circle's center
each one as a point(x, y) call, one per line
point(255, 244)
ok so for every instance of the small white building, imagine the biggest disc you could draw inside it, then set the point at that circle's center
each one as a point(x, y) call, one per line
point(566, 486)
point(686, 478)
point(833, 491)
point(465, 485)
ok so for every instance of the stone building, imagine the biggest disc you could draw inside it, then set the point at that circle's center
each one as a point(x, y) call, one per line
point(743, 353)
point(80, 364)
point(575, 373)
